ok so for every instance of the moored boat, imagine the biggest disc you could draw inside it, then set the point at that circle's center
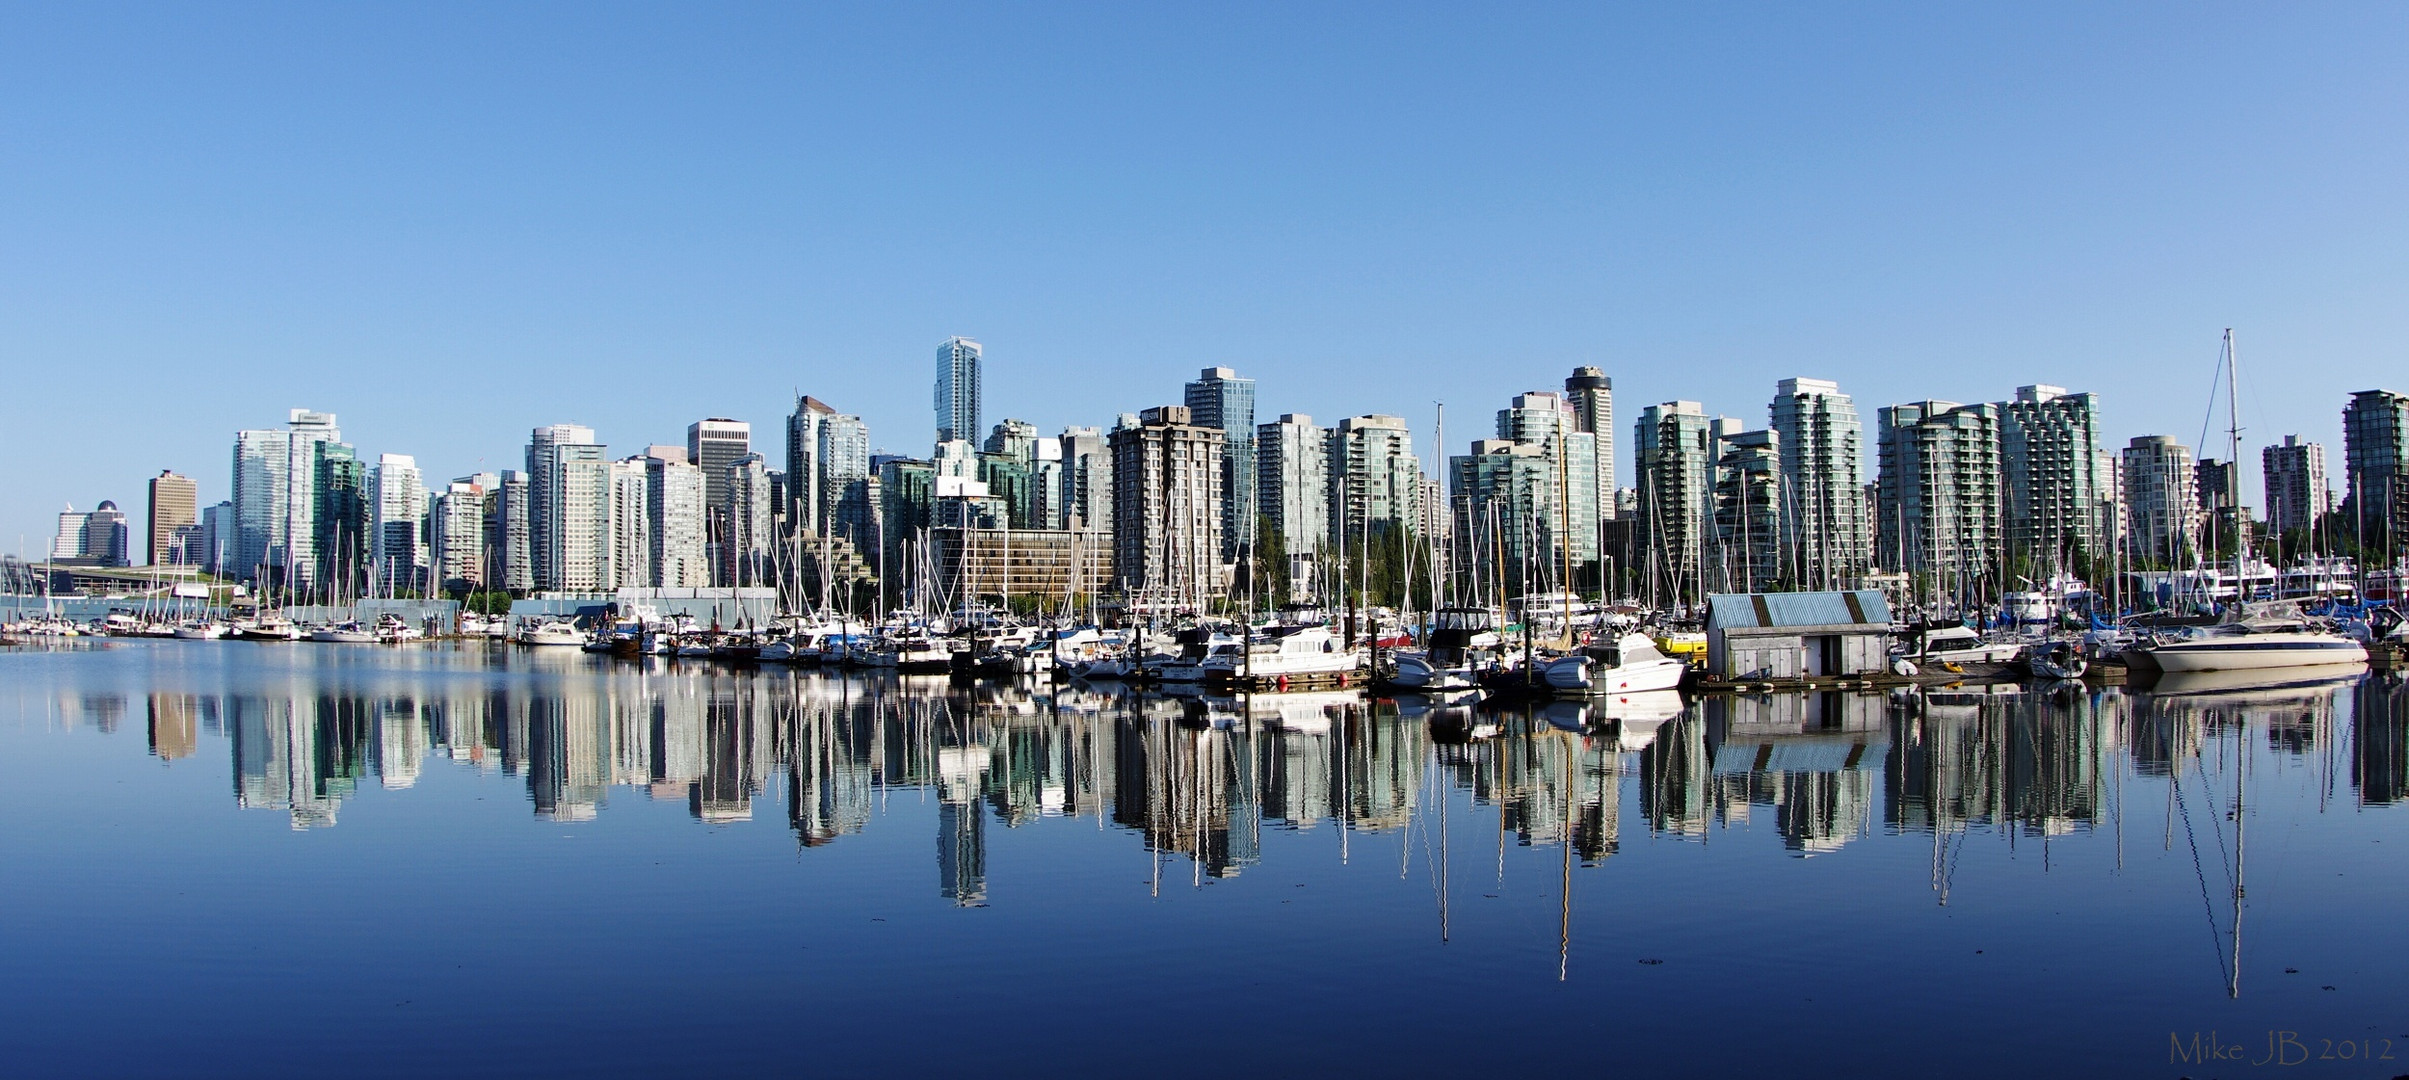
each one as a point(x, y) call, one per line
point(1631, 665)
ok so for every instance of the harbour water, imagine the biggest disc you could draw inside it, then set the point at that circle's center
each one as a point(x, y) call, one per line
point(283, 860)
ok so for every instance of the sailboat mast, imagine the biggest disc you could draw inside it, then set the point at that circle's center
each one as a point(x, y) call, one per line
point(2233, 463)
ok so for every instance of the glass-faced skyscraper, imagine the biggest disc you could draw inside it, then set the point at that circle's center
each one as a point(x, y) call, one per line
point(275, 498)
point(2375, 461)
point(1822, 455)
point(1219, 398)
point(958, 390)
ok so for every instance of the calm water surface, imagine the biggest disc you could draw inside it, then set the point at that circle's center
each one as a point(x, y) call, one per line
point(244, 860)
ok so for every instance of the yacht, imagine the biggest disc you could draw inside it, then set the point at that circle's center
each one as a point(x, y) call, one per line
point(919, 654)
point(552, 633)
point(2249, 642)
point(352, 632)
point(1282, 654)
point(1456, 640)
point(1960, 650)
point(269, 627)
point(1631, 665)
point(1196, 645)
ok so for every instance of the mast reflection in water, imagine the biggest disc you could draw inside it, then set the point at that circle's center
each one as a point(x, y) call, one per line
point(2035, 830)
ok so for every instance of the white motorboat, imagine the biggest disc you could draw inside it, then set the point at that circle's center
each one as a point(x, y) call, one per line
point(1291, 652)
point(1960, 649)
point(201, 630)
point(1631, 665)
point(2254, 637)
point(2253, 644)
point(917, 655)
point(265, 628)
point(353, 632)
point(552, 633)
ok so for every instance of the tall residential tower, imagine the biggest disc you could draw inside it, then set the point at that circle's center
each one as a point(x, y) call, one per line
point(958, 362)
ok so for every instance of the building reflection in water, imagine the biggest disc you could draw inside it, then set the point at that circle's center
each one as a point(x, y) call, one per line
point(1201, 779)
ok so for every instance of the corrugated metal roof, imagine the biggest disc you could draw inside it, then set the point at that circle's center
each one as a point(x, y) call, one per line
point(1864, 606)
point(1802, 754)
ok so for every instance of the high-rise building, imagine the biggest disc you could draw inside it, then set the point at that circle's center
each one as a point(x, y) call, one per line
point(2375, 462)
point(956, 458)
point(805, 464)
point(1674, 454)
point(716, 445)
point(2161, 498)
point(907, 493)
point(1219, 398)
point(457, 530)
point(1536, 417)
point(1591, 395)
point(1937, 500)
point(1010, 480)
point(1086, 478)
point(397, 541)
point(676, 494)
point(175, 519)
point(958, 362)
point(569, 520)
point(275, 477)
point(1748, 513)
point(108, 541)
point(68, 542)
point(631, 523)
point(2216, 488)
point(1573, 509)
point(1375, 480)
point(1505, 489)
point(98, 537)
point(1823, 480)
point(1167, 473)
point(2297, 494)
point(510, 534)
point(747, 543)
point(217, 538)
point(2049, 457)
point(1015, 439)
point(1292, 482)
point(342, 516)
point(1045, 477)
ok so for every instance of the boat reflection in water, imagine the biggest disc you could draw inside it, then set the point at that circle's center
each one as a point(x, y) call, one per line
point(1201, 778)
point(701, 855)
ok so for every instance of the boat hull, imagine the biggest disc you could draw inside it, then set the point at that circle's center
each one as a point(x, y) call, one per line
point(2244, 654)
point(1578, 675)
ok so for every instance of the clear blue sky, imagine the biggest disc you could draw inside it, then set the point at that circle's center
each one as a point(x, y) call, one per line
point(451, 224)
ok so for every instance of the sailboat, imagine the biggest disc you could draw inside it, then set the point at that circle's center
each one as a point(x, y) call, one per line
point(2253, 637)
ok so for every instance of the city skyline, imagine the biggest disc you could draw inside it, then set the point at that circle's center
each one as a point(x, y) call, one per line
point(1700, 216)
point(1976, 488)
